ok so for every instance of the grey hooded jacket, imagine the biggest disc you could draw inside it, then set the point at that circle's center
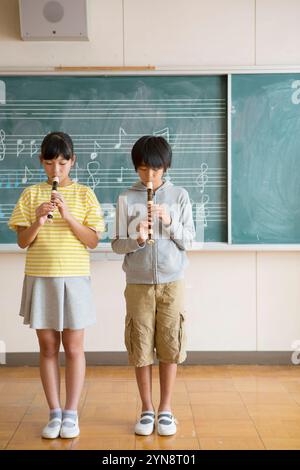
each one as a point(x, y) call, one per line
point(165, 260)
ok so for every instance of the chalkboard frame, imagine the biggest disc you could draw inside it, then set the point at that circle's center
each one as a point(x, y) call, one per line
point(104, 246)
point(103, 251)
point(234, 242)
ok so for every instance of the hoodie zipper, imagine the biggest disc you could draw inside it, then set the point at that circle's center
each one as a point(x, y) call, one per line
point(154, 250)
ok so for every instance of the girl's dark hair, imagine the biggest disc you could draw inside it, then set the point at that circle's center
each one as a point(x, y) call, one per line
point(152, 151)
point(57, 144)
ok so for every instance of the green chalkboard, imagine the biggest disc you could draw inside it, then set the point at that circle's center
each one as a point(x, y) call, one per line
point(265, 184)
point(105, 115)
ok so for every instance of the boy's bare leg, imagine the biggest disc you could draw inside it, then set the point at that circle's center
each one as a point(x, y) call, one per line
point(167, 376)
point(144, 381)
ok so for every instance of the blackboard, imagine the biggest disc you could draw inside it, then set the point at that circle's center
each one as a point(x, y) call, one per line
point(265, 183)
point(105, 115)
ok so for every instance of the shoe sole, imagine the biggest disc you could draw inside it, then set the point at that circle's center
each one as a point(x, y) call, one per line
point(166, 433)
point(144, 433)
point(70, 436)
point(50, 437)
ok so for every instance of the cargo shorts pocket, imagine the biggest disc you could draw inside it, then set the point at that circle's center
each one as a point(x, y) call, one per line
point(170, 341)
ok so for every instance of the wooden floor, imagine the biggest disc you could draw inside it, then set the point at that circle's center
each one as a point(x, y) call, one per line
point(218, 407)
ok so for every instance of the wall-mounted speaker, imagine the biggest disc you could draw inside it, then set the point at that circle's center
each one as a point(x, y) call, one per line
point(47, 20)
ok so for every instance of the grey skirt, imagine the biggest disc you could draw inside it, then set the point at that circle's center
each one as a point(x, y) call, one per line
point(57, 302)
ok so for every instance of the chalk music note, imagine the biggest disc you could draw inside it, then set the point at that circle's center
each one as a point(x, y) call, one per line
point(93, 168)
point(94, 154)
point(204, 211)
point(121, 132)
point(76, 173)
point(202, 178)
point(33, 148)
point(20, 146)
point(163, 133)
point(2, 144)
point(27, 175)
point(120, 178)
point(2, 92)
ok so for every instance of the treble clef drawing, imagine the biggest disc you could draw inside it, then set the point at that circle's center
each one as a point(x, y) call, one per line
point(93, 168)
point(204, 213)
point(202, 178)
point(2, 145)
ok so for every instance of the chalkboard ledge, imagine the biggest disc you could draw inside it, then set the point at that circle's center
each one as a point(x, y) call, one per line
point(105, 248)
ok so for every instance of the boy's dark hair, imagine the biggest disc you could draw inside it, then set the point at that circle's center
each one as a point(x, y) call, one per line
point(57, 144)
point(152, 151)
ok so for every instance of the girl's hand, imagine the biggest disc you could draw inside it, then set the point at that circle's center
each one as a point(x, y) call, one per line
point(42, 212)
point(161, 213)
point(60, 202)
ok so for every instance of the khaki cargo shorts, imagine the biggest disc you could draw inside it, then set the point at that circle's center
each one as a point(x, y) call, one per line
point(155, 321)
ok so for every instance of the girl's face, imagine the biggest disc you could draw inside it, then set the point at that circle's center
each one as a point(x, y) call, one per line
point(58, 167)
point(148, 174)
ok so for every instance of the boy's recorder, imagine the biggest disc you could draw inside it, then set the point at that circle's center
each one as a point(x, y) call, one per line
point(149, 207)
point(55, 182)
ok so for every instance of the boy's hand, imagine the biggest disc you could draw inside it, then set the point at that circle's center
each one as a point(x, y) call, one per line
point(161, 213)
point(142, 229)
point(42, 212)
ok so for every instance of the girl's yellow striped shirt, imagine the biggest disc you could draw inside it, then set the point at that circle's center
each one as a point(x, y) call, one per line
point(56, 251)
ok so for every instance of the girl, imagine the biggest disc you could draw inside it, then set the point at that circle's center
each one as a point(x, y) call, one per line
point(56, 297)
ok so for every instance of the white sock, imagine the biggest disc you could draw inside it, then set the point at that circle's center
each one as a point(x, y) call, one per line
point(70, 414)
point(54, 413)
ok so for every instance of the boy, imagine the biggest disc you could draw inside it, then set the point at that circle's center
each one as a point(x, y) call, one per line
point(154, 276)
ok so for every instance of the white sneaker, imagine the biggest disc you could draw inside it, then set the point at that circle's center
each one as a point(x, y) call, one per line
point(69, 428)
point(166, 424)
point(145, 425)
point(52, 430)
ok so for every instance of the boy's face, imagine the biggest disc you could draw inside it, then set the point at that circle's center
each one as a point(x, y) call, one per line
point(154, 175)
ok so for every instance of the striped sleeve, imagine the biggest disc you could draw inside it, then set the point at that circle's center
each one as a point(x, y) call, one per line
point(94, 216)
point(20, 216)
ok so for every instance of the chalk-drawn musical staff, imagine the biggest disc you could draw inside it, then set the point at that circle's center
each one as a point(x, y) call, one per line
point(91, 146)
point(106, 178)
point(112, 109)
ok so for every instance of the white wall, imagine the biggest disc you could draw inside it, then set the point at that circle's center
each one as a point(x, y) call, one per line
point(235, 300)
